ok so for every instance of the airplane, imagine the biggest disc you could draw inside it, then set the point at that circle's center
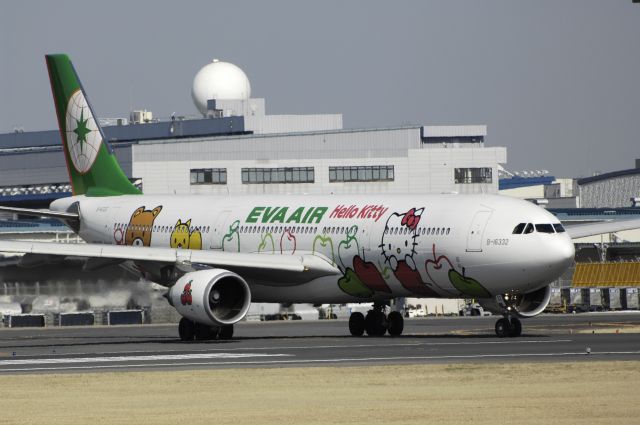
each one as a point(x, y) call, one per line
point(217, 254)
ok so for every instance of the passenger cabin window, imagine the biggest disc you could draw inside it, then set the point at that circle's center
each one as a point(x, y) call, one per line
point(519, 228)
point(558, 227)
point(544, 228)
point(528, 229)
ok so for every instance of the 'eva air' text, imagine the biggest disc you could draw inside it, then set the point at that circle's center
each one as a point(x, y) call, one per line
point(300, 215)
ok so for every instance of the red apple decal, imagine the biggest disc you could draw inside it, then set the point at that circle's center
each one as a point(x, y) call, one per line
point(288, 242)
point(412, 281)
point(368, 274)
point(185, 297)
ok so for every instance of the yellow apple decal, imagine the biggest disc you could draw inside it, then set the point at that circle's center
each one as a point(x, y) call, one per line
point(267, 244)
point(323, 245)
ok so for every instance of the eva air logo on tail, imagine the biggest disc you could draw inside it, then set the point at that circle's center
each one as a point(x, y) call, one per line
point(83, 136)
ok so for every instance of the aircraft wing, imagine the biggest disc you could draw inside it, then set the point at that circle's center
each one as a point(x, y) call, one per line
point(267, 267)
point(582, 230)
point(40, 213)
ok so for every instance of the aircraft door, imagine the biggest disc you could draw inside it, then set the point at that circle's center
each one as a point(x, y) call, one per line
point(476, 230)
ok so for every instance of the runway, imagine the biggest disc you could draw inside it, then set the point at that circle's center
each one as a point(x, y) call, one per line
point(319, 343)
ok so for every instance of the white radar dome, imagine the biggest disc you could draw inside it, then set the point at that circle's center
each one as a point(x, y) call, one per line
point(219, 80)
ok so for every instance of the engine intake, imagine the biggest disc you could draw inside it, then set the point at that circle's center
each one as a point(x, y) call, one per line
point(524, 305)
point(215, 297)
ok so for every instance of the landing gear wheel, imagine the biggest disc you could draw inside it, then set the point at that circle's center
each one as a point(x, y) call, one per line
point(502, 328)
point(515, 328)
point(375, 323)
point(356, 324)
point(186, 329)
point(205, 333)
point(395, 323)
point(226, 332)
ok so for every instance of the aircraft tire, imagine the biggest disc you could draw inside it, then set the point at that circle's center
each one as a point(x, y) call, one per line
point(375, 323)
point(226, 332)
point(186, 329)
point(205, 333)
point(395, 323)
point(502, 328)
point(515, 329)
point(356, 324)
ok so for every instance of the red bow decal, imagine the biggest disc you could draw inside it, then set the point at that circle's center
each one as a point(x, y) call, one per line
point(412, 218)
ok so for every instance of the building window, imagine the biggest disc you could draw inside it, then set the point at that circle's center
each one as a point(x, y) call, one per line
point(473, 175)
point(278, 175)
point(209, 176)
point(361, 173)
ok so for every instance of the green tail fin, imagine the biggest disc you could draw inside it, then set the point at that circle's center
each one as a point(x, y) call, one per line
point(92, 165)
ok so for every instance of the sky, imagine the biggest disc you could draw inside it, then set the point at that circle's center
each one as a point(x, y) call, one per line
point(557, 82)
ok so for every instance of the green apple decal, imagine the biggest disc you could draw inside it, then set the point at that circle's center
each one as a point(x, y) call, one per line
point(348, 248)
point(351, 284)
point(468, 285)
point(231, 241)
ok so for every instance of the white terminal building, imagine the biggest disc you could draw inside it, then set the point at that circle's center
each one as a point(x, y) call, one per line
point(310, 153)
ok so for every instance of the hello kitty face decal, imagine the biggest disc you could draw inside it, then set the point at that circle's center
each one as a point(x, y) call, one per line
point(399, 239)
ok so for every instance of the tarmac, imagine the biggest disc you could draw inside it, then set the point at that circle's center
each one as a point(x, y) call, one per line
point(442, 340)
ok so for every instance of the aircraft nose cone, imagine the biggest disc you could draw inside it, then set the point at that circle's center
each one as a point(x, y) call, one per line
point(563, 253)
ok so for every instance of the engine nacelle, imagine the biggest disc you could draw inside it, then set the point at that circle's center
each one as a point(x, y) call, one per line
point(213, 297)
point(523, 305)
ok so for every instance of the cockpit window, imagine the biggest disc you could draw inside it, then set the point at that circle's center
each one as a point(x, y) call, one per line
point(544, 228)
point(528, 229)
point(519, 228)
point(558, 227)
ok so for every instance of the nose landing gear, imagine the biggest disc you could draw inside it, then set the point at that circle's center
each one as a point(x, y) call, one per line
point(508, 326)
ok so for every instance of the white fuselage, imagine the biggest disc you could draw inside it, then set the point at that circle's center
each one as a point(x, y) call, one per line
point(384, 246)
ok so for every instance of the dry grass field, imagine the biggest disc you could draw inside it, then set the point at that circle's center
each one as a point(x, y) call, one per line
point(510, 393)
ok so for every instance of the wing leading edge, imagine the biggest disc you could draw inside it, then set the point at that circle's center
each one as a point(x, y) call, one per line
point(41, 213)
point(582, 230)
point(266, 267)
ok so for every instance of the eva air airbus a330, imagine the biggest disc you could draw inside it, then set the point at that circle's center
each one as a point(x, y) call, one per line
point(216, 254)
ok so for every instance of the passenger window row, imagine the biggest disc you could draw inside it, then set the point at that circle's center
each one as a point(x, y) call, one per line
point(526, 228)
point(278, 229)
point(438, 231)
point(155, 228)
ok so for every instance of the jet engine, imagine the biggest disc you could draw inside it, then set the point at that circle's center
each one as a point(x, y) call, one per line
point(523, 305)
point(214, 297)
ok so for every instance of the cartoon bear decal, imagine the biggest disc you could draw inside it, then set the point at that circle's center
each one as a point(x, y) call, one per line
point(140, 226)
point(184, 236)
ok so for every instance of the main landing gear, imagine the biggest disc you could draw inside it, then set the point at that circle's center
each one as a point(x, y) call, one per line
point(189, 330)
point(376, 323)
point(508, 326)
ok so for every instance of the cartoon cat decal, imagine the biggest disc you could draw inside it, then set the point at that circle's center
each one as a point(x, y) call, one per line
point(184, 236)
point(398, 248)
